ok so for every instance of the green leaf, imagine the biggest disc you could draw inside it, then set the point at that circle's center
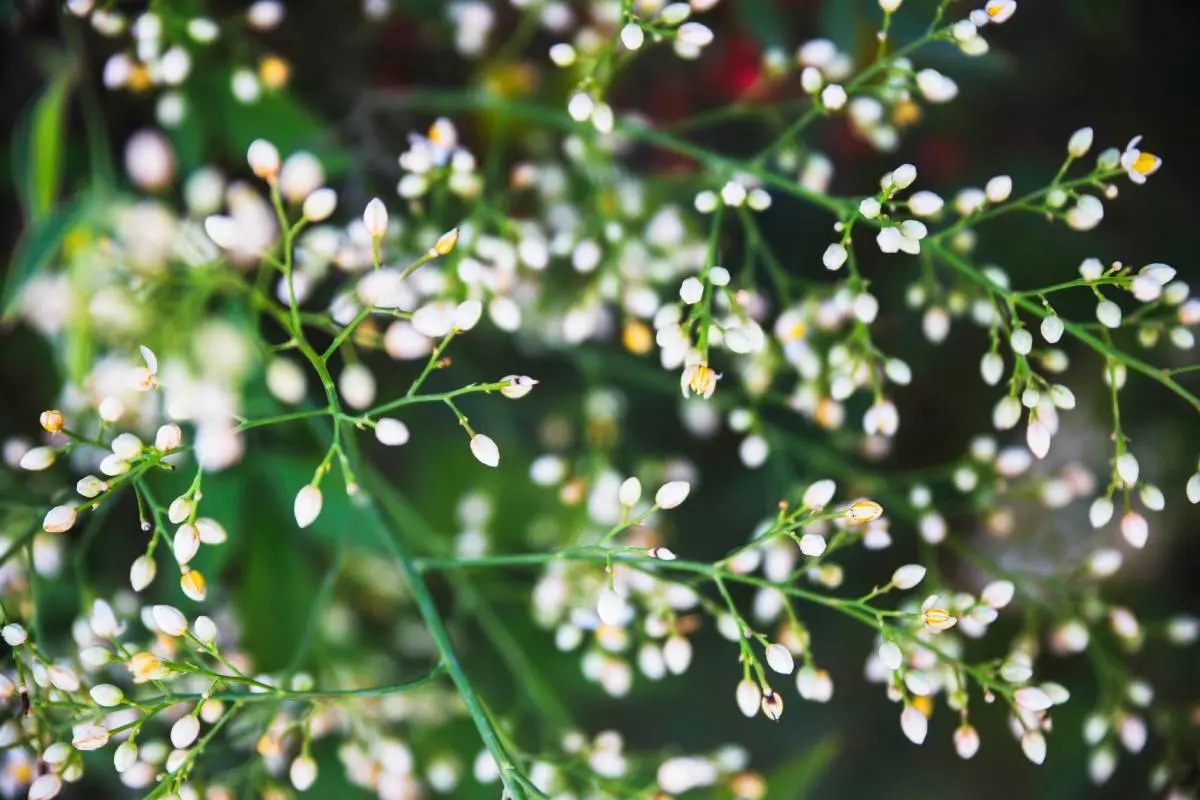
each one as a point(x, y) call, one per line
point(764, 20)
point(797, 778)
point(40, 242)
point(38, 148)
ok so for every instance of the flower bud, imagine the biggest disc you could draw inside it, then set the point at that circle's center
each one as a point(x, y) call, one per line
point(908, 576)
point(914, 724)
point(446, 242)
point(193, 585)
point(375, 218)
point(672, 494)
point(263, 159)
point(170, 620)
point(772, 705)
point(391, 432)
point(632, 36)
point(320, 204)
point(1080, 142)
point(184, 731)
point(125, 756)
point(630, 492)
point(141, 573)
point(749, 698)
point(51, 421)
point(59, 519)
point(106, 695)
point(168, 437)
point(37, 459)
point(779, 658)
point(485, 450)
point(303, 773)
point(864, 511)
point(186, 543)
point(205, 629)
point(307, 506)
point(517, 386)
point(966, 741)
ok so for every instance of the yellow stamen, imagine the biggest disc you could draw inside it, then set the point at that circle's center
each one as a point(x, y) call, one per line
point(1145, 163)
point(274, 72)
point(637, 338)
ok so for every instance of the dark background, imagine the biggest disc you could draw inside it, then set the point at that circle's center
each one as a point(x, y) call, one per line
point(1123, 66)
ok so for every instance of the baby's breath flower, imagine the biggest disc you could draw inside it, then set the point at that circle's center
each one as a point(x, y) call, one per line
point(193, 585)
point(106, 695)
point(169, 620)
point(375, 218)
point(864, 511)
point(938, 619)
point(485, 450)
point(835, 256)
point(1080, 142)
point(1139, 165)
point(319, 204)
point(37, 459)
point(89, 486)
point(632, 36)
point(914, 724)
point(13, 634)
point(517, 386)
point(833, 97)
point(307, 506)
point(908, 576)
point(672, 494)
point(779, 658)
point(749, 698)
point(51, 421)
point(141, 573)
point(145, 667)
point(59, 519)
point(184, 731)
point(630, 492)
point(999, 11)
point(263, 159)
point(772, 705)
point(391, 432)
point(700, 379)
point(303, 773)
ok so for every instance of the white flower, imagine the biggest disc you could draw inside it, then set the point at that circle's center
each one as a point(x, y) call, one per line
point(991, 367)
point(59, 519)
point(772, 705)
point(630, 492)
point(264, 159)
point(391, 432)
point(13, 634)
point(695, 34)
point(1037, 436)
point(1000, 11)
point(45, 787)
point(936, 87)
point(998, 594)
point(966, 741)
point(902, 176)
point(818, 495)
point(779, 658)
point(691, 291)
point(205, 629)
point(925, 204)
point(169, 620)
point(303, 773)
point(562, 54)
point(168, 437)
point(320, 204)
point(307, 506)
point(890, 655)
point(186, 543)
point(869, 207)
point(485, 450)
point(1033, 743)
point(672, 494)
point(632, 36)
point(1052, 328)
point(677, 653)
point(812, 544)
point(1109, 314)
point(375, 218)
point(908, 576)
point(581, 106)
point(37, 459)
point(835, 256)
point(914, 724)
point(814, 684)
point(1139, 165)
point(833, 97)
point(141, 573)
point(517, 386)
point(1128, 469)
point(1135, 529)
point(1031, 698)
point(1080, 142)
point(1100, 512)
point(998, 189)
point(90, 737)
point(184, 731)
point(749, 698)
